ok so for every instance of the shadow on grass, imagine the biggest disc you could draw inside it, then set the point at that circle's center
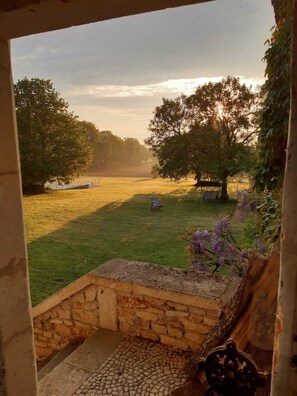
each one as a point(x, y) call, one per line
point(128, 230)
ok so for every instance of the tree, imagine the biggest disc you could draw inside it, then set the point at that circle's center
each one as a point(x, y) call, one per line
point(91, 131)
point(112, 152)
point(134, 152)
point(168, 139)
point(169, 120)
point(54, 146)
point(206, 133)
point(110, 149)
point(189, 153)
point(231, 108)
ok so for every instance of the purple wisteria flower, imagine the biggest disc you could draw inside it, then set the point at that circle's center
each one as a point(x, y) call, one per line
point(245, 206)
point(201, 237)
point(200, 240)
point(213, 251)
point(200, 267)
point(217, 245)
point(222, 227)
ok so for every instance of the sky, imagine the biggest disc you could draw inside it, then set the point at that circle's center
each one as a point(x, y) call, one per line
point(114, 73)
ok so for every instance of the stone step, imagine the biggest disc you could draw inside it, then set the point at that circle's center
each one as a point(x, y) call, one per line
point(65, 374)
point(45, 367)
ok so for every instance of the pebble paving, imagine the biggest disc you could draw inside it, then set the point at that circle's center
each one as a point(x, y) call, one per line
point(138, 368)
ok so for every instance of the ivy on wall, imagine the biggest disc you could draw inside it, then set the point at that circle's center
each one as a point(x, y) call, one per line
point(274, 117)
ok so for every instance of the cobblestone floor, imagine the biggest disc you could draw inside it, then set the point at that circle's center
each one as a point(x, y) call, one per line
point(137, 367)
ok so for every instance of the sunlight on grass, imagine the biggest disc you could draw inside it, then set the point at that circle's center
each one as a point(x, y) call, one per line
point(71, 232)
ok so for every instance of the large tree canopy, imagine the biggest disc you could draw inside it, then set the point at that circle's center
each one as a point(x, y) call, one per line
point(54, 146)
point(169, 120)
point(180, 155)
point(228, 105)
point(207, 133)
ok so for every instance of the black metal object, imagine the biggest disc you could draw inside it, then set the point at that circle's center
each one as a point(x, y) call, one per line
point(231, 372)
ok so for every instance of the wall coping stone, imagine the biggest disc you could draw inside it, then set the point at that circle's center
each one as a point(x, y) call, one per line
point(173, 284)
point(172, 279)
point(61, 296)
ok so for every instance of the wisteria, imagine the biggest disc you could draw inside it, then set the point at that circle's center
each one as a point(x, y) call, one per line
point(201, 239)
point(213, 251)
point(217, 250)
point(245, 206)
point(222, 227)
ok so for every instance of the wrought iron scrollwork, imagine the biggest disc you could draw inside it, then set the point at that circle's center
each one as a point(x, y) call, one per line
point(231, 372)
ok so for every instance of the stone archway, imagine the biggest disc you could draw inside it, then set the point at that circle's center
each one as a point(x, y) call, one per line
point(23, 17)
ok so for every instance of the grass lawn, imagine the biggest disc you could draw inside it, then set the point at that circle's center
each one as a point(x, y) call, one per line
point(71, 232)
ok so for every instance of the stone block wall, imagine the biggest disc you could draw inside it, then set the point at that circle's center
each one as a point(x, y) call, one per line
point(150, 306)
point(74, 318)
point(178, 325)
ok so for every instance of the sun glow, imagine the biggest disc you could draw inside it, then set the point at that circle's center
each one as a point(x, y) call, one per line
point(220, 110)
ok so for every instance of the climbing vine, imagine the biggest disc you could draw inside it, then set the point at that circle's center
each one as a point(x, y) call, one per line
point(274, 117)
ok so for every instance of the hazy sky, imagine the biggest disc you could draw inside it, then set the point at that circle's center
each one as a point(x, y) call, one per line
point(114, 73)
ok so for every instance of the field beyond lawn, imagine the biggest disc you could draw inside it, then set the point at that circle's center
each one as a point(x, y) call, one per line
point(71, 232)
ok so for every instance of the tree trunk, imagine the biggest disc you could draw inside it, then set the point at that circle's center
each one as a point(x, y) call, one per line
point(224, 193)
point(197, 175)
point(32, 188)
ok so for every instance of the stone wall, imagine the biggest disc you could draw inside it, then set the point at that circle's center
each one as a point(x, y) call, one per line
point(77, 317)
point(162, 304)
point(179, 325)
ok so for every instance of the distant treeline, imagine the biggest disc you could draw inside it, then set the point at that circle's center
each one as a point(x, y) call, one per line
point(112, 152)
point(56, 147)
